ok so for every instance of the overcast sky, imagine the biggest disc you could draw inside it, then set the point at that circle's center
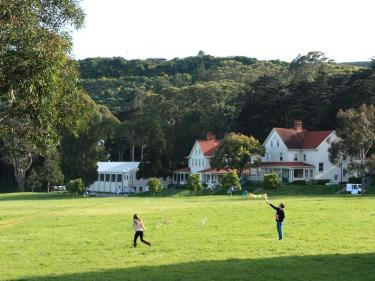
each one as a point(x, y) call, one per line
point(265, 29)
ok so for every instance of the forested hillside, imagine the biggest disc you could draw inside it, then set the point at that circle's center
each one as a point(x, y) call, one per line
point(191, 96)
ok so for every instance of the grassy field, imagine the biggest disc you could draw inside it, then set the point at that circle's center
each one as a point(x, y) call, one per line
point(53, 237)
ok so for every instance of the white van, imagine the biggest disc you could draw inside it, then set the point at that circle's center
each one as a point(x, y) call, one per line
point(354, 188)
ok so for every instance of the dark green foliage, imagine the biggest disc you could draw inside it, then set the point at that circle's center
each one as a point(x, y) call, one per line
point(271, 181)
point(194, 183)
point(75, 186)
point(299, 182)
point(355, 180)
point(322, 181)
point(230, 180)
point(155, 185)
point(155, 161)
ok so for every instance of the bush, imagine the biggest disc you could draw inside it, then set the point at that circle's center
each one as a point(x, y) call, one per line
point(75, 186)
point(194, 182)
point(355, 180)
point(154, 185)
point(299, 182)
point(271, 181)
point(230, 180)
point(322, 181)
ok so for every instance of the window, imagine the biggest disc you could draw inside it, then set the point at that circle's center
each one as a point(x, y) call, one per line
point(113, 178)
point(277, 143)
point(268, 156)
point(140, 189)
point(344, 172)
point(101, 177)
point(107, 177)
point(271, 143)
point(311, 173)
point(304, 157)
point(298, 173)
point(281, 157)
point(344, 157)
point(119, 178)
point(336, 177)
point(203, 162)
point(306, 173)
point(295, 157)
point(321, 167)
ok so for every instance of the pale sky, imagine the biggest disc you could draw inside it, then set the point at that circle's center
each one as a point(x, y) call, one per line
point(264, 29)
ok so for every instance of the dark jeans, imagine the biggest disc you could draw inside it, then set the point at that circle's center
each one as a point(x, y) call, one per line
point(279, 226)
point(139, 234)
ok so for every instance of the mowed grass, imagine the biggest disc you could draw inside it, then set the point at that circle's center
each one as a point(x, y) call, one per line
point(52, 237)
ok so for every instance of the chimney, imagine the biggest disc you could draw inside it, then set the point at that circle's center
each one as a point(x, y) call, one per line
point(211, 136)
point(298, 125)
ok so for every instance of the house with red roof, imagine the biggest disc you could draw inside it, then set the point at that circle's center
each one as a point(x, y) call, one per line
point(199, 162)
point(299, 154)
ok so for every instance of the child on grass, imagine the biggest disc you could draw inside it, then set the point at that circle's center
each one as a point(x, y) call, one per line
point(138, 228)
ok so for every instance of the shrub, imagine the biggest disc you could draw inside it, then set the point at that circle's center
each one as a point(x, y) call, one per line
point(299, 182)
point(322, 181)
point(154, 185)
point(230, 180)
point(271, 181)
point(355, 180)
point(75, 186)
point(194, 182)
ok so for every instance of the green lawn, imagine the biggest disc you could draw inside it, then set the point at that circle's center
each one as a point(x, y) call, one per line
point(53, 237)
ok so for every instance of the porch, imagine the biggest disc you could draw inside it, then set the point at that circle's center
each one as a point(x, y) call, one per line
point(287, 172)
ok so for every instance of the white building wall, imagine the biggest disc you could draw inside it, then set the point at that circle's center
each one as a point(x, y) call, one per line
point(274, 146)
point(197, 160)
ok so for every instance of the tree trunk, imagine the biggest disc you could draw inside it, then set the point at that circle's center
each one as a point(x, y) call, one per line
point(21, 165)
point(133, 150)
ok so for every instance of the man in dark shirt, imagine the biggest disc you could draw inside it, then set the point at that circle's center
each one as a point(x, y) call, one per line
point(280, 216)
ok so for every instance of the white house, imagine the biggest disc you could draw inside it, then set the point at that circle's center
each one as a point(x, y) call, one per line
point(298, 154)
point(199, 162)
point(113, 175)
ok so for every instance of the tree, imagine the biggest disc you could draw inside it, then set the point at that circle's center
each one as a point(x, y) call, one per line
point(38, 81)
point(155, 185)
point(194, 182)
point(155, 161)
point(271, 181)
point(356, 132)
point(50, 173)
point(75, 187)
point(81, 153)
point(237, 151)
point(231, 180)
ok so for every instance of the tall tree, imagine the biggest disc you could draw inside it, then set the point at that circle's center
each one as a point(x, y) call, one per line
point(155, 161)
point(38, 81)
point(237, 151)
point(356, 131)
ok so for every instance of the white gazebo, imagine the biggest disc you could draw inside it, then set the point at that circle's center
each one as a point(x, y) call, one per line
point(115, 175)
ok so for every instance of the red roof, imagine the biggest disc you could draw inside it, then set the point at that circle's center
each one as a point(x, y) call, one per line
point(285, 164)
point(302, 139)
point(208, 147)
point(183, 170)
